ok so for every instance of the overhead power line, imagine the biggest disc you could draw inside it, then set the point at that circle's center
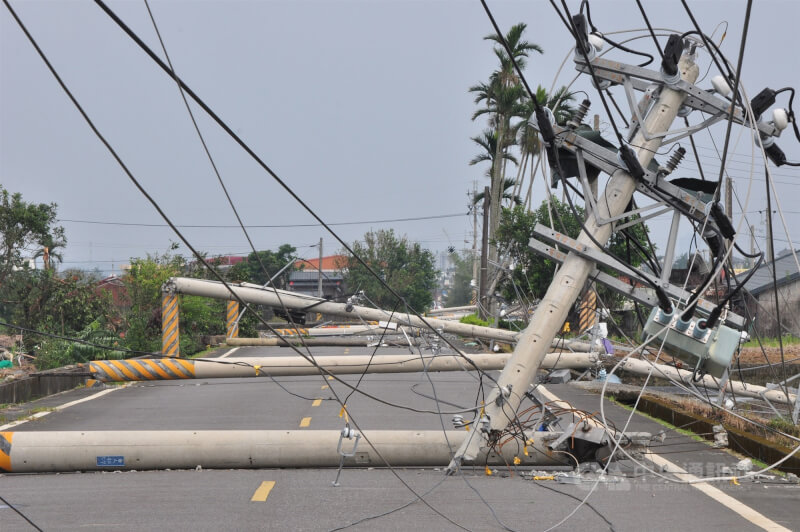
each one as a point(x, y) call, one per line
point(265, 226)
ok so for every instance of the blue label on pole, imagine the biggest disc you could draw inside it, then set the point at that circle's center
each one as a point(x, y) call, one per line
point(110, 461)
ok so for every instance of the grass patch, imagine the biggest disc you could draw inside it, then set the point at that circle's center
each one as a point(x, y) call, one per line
point(670, 426)
point(41, 409)
point(207, 351)
point(787, 339)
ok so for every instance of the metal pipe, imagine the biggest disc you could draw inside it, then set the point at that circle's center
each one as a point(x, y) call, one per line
point(220, 368)
point(669, 255)
point(269, 297)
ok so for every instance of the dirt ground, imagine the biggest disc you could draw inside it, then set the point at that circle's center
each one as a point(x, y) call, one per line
point(754, 355)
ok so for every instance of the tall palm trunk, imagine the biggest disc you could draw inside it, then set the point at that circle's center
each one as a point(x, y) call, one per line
point(497, 185)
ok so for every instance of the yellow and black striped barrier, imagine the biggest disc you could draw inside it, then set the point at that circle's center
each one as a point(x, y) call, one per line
point(170, 329)
point(588, 311)
point(142, 369)
point(232, 329)
point(5, 450)
point(292, 332)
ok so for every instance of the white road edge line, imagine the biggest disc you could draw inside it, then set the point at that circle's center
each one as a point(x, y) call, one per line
point(229, 353)
point(59, 408)
point(718, 495)
point(735, 505)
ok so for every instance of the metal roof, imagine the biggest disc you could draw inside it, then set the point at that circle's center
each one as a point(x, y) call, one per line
point(785, 272)
point(313, 276)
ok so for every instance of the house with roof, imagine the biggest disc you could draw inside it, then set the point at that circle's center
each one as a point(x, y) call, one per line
point(759, 300)
point(305, 278)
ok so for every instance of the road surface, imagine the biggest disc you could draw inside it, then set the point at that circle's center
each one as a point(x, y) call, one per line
point(374, 498)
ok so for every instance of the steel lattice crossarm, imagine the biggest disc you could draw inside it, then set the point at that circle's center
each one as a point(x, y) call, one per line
point(703, 306)
point(636, 78)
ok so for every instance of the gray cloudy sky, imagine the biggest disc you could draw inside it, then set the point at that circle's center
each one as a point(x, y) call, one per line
point(362, 107)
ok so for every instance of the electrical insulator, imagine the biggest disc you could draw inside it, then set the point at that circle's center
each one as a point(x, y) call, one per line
point(579, 115)
point(675, 159)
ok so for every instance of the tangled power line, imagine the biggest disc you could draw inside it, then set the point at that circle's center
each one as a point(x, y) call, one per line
point(521, 424)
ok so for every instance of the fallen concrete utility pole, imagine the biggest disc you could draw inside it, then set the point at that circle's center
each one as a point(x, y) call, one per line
point(351, 330)
point(220, 368)
point(354, 341)
point(291, 300)
point(41, 452)
point(568, 282)
point(349, 341)
point(642, 367)
point(447, 310)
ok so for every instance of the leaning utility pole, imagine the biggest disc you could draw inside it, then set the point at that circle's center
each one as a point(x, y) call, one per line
point(502, 403)
point(319, 270)
point(474, 207)
point(482, 299)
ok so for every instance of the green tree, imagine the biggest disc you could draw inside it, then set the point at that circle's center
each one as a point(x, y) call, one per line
point(25, 227)
point(531, 272)
point(59, 303)
point(199, 316)
point(406, 267)
point(460, 292)
point(250, 270)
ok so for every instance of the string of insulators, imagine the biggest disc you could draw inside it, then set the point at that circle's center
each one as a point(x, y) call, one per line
point(580, 114)
point(675, 159)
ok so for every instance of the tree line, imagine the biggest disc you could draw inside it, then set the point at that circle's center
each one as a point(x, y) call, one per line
point(124, 312)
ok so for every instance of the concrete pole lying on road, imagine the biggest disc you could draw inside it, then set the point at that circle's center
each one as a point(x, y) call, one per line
point(447, 310)
point(220, 368)
point(348, 330)
point(568, 282)
point(642, 367)
point(359, 340)
point(41, 452)
point(335, 341)
point(292, 300)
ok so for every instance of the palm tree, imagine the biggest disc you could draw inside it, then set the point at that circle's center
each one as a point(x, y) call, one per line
point(508, 183)
point(503, 99)
point(560, 103)
point(48, 252)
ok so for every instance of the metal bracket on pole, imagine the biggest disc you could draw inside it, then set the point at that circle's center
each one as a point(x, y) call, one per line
point(639, 295)
point(653, 185)
point(348, 433)
point(669, 254)
point(602, 259)
point(642, 79)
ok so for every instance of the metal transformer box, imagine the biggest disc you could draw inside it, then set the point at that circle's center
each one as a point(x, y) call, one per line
point(705, 350)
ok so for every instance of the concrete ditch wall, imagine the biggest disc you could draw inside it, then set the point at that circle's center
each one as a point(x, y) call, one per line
point(41, 384)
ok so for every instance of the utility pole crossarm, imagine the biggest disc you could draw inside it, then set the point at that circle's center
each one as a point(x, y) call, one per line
point(514, 381)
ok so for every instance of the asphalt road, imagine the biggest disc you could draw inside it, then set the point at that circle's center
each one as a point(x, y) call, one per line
point(375, 498)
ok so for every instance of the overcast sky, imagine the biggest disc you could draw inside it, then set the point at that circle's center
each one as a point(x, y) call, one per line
point(361, 107)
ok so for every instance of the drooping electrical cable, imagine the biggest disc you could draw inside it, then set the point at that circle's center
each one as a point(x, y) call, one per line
point(132, 35)
point(266, 226)
point(198, 255)
point(22, 515)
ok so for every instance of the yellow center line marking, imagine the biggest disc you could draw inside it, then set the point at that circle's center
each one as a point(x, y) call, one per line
point(330, 377)
point(316, 402)
point(346, 350)
point(324, 387)
point(263, 490)
point(306, 421)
